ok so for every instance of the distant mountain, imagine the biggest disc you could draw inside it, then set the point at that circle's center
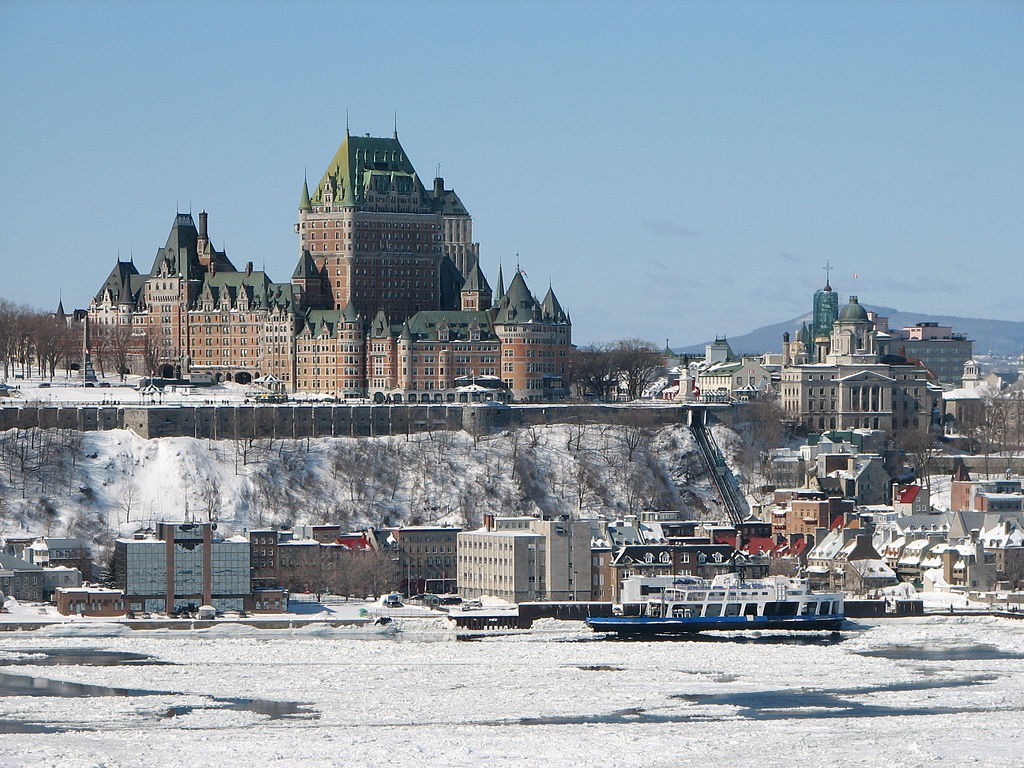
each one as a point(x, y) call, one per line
point(998, 337)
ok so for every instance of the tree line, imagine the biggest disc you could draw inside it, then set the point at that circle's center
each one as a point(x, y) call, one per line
point(36, 343)
point(616, 370)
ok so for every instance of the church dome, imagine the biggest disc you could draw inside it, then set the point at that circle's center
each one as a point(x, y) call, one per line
point(853, 311)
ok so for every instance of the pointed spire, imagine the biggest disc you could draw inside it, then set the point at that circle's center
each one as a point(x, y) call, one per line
point(306, 269)
point(551, 309)
point(500, 293)
point(396, 123)
point(349, 312)
point(476, 281)
point(304, 204)
point(519, 305)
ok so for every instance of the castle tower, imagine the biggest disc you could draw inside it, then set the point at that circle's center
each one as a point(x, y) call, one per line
point(476, 293)
point(310, 282)
point(382, 240)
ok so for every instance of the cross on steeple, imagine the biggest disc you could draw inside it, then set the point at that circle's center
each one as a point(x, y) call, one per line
point(828, 268)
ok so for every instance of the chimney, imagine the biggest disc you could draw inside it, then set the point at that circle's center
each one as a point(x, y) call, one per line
point(438, 186)
point(819, 535)
point(248, 268)
point(203, 215)
point(949, 558)
point(489, 522)
point(786, 359)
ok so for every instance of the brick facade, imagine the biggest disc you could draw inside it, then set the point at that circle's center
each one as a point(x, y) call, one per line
point(387, 301)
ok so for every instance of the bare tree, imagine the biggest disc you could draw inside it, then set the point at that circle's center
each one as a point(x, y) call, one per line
point(150, 349)
point(116, 343)
point(763, 429)
point(594, 371)
point(209, 497)
point(48, 334)
point(22, 340)
point(127, 498)
point(636, 434)
point(9, 324)
point(637, 363)
point(921, 448)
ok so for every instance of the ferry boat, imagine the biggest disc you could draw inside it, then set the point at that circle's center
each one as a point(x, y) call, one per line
point(730, 603)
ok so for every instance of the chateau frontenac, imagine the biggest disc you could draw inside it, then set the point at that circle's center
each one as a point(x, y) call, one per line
point(388, 300)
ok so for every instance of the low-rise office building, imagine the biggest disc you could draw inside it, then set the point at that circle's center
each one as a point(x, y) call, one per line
point(20, 579)
point(181, 567)
point(90, 601)
point(427, 558)
point(522, 559)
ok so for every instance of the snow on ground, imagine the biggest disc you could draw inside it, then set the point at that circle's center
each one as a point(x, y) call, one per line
point(899, 692)
point(96, 483)
point(111, 390)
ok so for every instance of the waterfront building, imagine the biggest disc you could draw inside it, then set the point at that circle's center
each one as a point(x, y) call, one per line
point(182, 566)
point(523, 559)
point(21, 579)
point(90, 601)
point(427, 558)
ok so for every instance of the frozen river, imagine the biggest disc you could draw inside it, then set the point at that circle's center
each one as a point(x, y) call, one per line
point(904, 692)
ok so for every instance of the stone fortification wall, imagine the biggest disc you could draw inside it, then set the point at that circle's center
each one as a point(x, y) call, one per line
point(81, 418)
point(232, 422)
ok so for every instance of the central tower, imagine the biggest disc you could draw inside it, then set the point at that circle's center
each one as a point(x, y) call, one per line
point(378, 238)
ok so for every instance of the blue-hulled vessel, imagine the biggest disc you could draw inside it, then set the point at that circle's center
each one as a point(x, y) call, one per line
point(730, 603)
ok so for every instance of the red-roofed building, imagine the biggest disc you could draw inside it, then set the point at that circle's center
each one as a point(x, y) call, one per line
point(910, 500)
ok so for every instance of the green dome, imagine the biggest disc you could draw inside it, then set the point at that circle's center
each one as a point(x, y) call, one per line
point(853, 311)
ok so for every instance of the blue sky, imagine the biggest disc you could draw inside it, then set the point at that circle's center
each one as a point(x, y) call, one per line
point(677, 170)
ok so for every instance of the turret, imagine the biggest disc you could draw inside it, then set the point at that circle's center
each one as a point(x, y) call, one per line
point(476, 293)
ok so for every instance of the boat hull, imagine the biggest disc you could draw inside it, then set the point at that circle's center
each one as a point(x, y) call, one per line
point(646, 625)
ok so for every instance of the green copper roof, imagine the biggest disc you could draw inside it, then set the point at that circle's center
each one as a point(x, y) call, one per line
point(348, 313)
point(181, 253)
point(363, 161)
point(306, 269)
point(256, 287)
point(501, 286)
point(551, 309)
point(317, 321)
point(304, 204)
point(380, 328)
point(518, 305)
point(123, 288)
point(458, 324)
point(476, 280)
point(853, 311)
